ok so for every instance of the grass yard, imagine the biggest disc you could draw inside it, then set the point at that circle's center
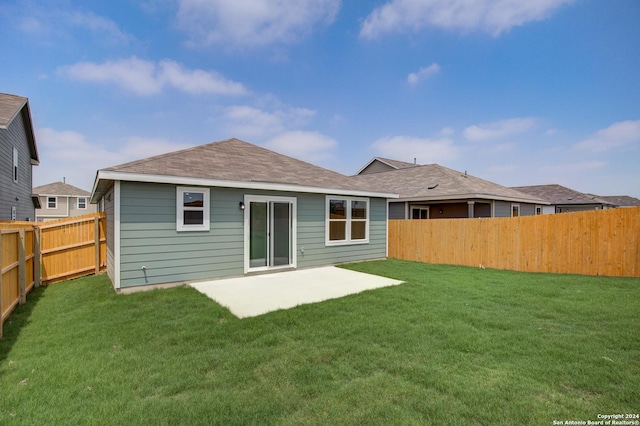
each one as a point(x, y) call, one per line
point(454, 345)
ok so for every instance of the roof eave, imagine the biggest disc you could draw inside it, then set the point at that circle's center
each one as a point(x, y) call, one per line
point(488, 197)
point(112, 176)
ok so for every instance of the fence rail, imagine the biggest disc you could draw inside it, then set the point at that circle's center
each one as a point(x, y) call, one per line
point(47, 252)
point(602, 242)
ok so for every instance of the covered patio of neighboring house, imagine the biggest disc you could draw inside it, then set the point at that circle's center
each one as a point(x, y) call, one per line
point(433, 191)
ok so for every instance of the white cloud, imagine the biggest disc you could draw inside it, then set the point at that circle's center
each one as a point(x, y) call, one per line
point(250, 122)
point(423, 74)
point(312, 147)
point(425, 150)
point(47, 22)
point(70, 155)
point(253, 22)
point(491, 16)
point(499, 129)
point(147, 78)
point(617, 135)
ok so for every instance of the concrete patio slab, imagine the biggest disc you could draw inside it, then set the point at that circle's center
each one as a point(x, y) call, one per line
point(259, 294)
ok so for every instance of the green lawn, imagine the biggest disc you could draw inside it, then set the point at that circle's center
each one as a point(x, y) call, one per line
point(453, 345)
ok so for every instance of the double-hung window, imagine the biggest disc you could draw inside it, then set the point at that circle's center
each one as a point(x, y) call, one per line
point(192, 213)
point(82, 203)
point(347, 220)
point(52, 202)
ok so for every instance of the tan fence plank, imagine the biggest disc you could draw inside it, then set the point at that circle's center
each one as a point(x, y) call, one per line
point(602, 242)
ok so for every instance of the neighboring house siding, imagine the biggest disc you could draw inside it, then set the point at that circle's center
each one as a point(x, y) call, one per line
point(66, 207)
point(502, 209)
point(149, 237)
point(14, 136)
point(376, 167)
point(397, 210)
point(527, 209)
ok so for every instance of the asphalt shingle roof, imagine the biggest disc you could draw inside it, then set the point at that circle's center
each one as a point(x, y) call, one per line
point(59, 188)
point(10, 106)
point(239, 161)
point(558, 194)
point(436, 182)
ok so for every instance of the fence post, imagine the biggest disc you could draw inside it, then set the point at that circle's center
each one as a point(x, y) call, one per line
point(37, 257)
point(96, 232)
point(22, 267)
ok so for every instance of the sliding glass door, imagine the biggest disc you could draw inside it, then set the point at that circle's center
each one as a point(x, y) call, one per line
point(269, 232)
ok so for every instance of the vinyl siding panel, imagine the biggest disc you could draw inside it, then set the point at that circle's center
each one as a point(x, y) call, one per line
point(397, 210)
point(15, 136)
point(149, 237)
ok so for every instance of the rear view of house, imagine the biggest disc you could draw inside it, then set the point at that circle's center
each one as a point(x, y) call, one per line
point(231, 208)
point(18, 154)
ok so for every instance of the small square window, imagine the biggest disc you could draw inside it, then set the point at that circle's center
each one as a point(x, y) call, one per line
point(82, 203)
point(52, 202)
point(192, 212)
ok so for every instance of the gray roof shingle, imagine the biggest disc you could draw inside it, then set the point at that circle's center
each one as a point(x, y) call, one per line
point(560, 195)
point(239, 161)
point(436, 182)
point(60, 188)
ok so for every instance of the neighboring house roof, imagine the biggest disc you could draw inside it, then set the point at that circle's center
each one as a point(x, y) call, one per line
point(561, 195)
point(10, 107)
point(433, 182)
point(234, 163)
point(60, 189)
point(620, 200)
point(390, 164)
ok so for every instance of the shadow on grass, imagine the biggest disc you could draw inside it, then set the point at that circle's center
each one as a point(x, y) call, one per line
point(18, 319)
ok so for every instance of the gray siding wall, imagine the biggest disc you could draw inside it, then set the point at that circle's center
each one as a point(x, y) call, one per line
point(503, 209)
point(397, 210)
point(148, 235)
point(14, 136)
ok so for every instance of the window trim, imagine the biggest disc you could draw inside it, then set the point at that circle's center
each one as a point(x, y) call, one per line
point(78, 203)
point(420, 209)
point(348, 221)
point(55, 202)
point(515, 207)
point(180, 209)
point(14, 169)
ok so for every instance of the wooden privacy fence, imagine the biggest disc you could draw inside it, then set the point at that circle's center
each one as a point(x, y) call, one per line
point(598, 242)
point(47, 252)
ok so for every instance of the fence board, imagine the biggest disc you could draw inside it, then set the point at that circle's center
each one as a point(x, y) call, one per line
point(602, 242)
point(33, 253)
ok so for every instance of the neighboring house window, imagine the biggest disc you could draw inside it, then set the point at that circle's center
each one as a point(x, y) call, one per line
point(515, 210)
point(419, 212)
point(15, 164)
point(192, 213)
point(347, 220)
point(52, 202)
point(538, 210)
point(82, 203)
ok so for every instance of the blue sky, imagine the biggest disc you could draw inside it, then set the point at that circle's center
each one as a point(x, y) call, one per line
point(516, 92)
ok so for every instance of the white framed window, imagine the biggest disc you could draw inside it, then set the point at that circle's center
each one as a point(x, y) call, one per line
point(82, 203)
point(419, 212)
point(15, 164)
point(52, 202)
point(192, 209)
point(347, 220)
point(515, 210)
